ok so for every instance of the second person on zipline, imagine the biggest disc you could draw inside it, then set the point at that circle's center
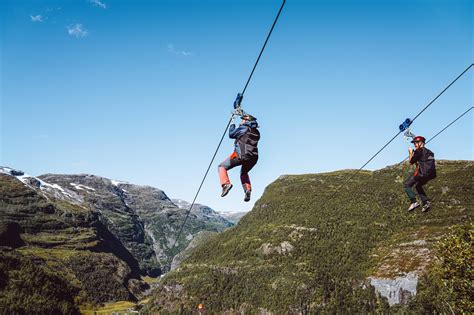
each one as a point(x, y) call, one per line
point(245, 153)
point(425, 171)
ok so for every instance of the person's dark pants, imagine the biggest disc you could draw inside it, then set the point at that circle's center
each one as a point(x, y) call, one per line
point(418, 182)
point(232, 162)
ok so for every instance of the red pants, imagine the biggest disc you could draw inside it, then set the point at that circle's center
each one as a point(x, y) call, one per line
point(232, 161)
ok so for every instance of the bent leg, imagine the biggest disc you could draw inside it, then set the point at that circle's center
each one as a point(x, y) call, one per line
point(408, 185)
point(229, 163)
point(421, 191)
point(244, 175)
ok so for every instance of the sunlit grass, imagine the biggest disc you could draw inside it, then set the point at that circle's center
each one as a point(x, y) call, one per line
point(121, 307)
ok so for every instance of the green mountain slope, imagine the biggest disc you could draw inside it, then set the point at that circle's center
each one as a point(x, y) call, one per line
point(143, 218)
point(70, 240)
point(63, 255)
point(298, 251)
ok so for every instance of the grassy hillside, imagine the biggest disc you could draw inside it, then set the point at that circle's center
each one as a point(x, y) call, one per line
point(27, 286)
point(298, 251)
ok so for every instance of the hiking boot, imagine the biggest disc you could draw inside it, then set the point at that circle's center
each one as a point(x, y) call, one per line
point(426, 206)
point(247, 195)
point(413, 206)
point(225, 189)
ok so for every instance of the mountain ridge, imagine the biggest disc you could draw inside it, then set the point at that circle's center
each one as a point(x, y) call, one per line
point(86, 228)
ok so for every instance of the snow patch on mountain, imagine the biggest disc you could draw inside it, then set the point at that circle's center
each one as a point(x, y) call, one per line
point(48, 190)
point(182, 204)
point(81, 187)
point(117, 182)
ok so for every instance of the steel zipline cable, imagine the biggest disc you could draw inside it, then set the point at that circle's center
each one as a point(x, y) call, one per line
point(263, 48)
point(437, 134)
point(227, 127)
point(442, 130)
point(429, 104)
point(449, 125)
point(391, 140)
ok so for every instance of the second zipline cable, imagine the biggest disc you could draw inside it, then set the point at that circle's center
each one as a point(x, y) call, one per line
point(442, 130)
point(391, 140)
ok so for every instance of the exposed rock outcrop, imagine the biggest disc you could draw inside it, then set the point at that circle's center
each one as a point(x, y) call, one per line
point(398, 290)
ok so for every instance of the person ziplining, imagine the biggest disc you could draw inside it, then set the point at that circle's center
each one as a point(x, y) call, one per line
point(424, 172)
point(245, 153)
point(250, 159)
point(403, 127)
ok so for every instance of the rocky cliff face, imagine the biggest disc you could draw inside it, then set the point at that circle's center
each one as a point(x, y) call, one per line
point(199, 239)
point(43, 267)
point(203, 212)
point(143, 218)
point(87, 228)
point(397, 290)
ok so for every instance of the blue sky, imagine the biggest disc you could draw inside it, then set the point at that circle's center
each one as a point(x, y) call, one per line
point(141, 91)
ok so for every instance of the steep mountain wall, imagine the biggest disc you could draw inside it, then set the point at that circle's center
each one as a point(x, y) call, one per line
point(97, 235)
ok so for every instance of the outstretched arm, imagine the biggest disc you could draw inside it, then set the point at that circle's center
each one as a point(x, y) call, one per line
point(237, 132)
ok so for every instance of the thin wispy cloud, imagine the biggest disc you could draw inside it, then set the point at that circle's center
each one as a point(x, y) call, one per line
point(37, 18)
point(48, 10)
point(77, 30)
point(173, 50)
point(98, 3)
point(45, 15)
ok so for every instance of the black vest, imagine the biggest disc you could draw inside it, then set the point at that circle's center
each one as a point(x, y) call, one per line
point(248, 145)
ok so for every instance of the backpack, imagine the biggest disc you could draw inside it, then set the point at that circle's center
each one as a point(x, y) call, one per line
point(248, 145)
point(427, 164)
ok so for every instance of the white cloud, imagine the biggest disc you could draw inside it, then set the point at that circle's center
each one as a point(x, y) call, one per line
point(77, 30)
point(98, 3)
point(172, 49)
point(37, 18)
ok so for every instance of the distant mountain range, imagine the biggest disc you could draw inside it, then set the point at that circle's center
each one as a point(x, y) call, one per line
point(96, 236)
point(233, 217)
